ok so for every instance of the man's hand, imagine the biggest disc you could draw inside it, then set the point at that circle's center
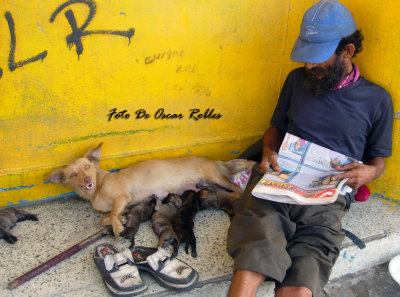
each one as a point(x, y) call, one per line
point(271, 143)
point(359, 174)
point(269, 159)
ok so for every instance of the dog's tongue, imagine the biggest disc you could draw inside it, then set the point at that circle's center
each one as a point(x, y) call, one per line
point(89, 186)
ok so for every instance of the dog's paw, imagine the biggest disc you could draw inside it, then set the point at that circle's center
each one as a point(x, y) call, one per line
point(193, 252)
point(117, 231)
point(175, 247)
point(32, 217)
point(10, 238)
point(129, 233)
point(105, 221)
point(171, 240)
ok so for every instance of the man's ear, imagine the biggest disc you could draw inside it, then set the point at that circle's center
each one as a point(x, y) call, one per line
point(349, 50)
point(57, 176)
point(94, 154)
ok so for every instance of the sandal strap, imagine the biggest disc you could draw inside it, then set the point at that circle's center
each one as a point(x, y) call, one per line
point(112, 260)
point(155, 260)
point(162, 262)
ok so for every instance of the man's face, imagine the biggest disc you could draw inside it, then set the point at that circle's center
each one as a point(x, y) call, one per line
point(322, 77)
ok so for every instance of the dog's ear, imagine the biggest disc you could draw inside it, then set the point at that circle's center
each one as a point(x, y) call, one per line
point(94, 154)
point(57, 176)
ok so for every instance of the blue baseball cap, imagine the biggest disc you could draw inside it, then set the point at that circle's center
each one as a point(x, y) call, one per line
point(323, 26)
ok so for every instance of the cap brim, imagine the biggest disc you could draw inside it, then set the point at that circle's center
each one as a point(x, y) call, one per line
point(313, 52)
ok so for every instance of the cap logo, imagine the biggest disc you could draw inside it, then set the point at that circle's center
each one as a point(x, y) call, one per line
point(310, 30)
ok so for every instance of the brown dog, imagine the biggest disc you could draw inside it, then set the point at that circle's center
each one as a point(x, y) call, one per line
point(161, 220)
point(113, 191)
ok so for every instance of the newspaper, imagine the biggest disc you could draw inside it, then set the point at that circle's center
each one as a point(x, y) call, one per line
point(306, 174)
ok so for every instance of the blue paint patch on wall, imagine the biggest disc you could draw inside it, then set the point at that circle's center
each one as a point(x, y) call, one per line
point(235, 152)
point(15, 188)
point(397, 117)
point(49, 198)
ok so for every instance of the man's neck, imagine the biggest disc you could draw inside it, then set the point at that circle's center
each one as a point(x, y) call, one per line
point(349, 68)
point(351, 77)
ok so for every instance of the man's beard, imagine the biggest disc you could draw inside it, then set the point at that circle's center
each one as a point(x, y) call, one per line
point(332, 75)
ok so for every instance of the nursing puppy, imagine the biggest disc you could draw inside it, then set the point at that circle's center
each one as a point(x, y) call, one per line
point(111, 192)
point(216, 198)
point(161, 220)
point(183, 222)
point(137, 214)
point(9, 218)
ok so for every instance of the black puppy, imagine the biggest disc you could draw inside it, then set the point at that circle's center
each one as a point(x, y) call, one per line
point(137, 214)
point(9, 218)
point(183, 222)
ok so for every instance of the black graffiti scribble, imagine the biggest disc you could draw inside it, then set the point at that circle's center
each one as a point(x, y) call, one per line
point(77, 33)
point(12, 65)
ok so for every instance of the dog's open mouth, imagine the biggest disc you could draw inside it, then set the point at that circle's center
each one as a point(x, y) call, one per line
point(89, 186)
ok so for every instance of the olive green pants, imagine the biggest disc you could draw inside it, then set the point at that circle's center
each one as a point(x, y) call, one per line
point(294, 245)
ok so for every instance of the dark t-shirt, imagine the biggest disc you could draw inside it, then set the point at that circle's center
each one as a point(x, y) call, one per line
point(356, 120)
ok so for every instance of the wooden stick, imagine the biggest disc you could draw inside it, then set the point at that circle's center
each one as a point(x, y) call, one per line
point(57, 259)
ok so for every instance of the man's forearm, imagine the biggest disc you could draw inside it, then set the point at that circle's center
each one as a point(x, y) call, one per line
point(271, 143)
point(272, 140)
point(379, 164)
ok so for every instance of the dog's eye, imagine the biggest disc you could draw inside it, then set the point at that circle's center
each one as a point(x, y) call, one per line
point(87, 166)
point(73, 174)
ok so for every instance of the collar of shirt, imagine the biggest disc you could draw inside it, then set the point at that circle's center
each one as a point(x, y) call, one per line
point(352, 77)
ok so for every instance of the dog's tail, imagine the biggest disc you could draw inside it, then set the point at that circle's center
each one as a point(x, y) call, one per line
point(237, 165)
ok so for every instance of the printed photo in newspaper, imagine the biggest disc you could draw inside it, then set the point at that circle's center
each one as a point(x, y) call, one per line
point(307, 169)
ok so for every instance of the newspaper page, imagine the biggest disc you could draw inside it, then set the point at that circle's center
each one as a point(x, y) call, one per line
point(306, 174)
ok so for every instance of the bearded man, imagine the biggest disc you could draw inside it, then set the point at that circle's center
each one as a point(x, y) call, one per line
point(328, 103)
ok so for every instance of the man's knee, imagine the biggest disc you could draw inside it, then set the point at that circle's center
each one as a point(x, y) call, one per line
point(293, 292)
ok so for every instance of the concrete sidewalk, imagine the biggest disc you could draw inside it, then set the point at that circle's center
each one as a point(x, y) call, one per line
point(63, 223)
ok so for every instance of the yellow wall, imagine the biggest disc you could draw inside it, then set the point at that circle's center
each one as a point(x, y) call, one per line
point(229, 56)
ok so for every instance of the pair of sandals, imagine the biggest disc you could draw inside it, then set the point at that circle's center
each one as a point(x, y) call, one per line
point(121, 270)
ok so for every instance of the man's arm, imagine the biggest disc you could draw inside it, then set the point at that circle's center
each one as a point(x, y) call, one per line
point(359, 174)
point(272, 140)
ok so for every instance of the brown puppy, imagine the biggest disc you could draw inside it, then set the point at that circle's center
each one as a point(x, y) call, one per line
point(183, 222)
point(137, 214)
point(162, 218)
point(9, 218)
point(112, 191)
point(216, 198)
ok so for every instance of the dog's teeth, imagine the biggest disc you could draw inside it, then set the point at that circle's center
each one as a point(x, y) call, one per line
point(89, 187)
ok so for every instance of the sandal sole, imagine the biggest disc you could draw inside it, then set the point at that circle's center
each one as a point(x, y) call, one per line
point(167, 284)
point(115, 292)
